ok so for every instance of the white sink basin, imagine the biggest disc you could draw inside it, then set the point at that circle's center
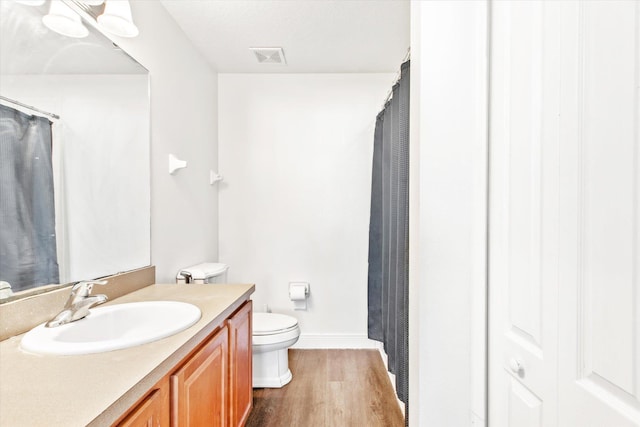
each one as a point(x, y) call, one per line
point(113, 328)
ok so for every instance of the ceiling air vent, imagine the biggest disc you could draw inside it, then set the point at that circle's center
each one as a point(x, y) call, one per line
point(269, 55)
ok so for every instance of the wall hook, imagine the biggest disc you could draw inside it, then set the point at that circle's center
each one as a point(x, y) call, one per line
point(214, 177)
point(175, 164)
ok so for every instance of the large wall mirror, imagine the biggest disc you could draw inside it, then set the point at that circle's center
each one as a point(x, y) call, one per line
point(94, 101)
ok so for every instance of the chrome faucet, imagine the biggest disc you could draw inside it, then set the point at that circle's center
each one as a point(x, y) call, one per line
point(79, 303)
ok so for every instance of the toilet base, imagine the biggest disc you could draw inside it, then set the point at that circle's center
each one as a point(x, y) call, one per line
point(271, 368)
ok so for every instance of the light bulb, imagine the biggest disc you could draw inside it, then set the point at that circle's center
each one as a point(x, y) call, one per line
point(63, 20)
point(117, 19)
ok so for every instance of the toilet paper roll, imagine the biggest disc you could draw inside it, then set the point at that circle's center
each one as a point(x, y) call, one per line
point(298, 294)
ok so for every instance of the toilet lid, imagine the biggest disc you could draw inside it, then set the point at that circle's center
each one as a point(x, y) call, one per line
point(271, 323)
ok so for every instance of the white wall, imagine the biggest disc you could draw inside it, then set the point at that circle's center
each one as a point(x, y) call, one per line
point(296, 153)
point(448, 213)
point(183, 122)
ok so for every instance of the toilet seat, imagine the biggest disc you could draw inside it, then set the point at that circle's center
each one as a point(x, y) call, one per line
point(273, 331)
point(273, 323)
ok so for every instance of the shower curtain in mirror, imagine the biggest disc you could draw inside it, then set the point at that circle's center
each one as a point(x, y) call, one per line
point(27, 215)
point(388, 282)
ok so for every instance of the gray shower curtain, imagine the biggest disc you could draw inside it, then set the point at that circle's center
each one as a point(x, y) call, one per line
point(27, 212)
point(388, 282)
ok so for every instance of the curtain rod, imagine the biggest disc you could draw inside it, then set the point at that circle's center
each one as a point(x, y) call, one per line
point(29, 107)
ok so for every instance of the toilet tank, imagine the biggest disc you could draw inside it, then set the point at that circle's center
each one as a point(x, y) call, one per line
point(206, 272)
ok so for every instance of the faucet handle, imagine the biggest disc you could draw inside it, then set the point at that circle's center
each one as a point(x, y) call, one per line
point(83, 289)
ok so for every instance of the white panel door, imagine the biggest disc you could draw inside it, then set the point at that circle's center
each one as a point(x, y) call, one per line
point(523, 215)
point(564, 300)
point(599, 298)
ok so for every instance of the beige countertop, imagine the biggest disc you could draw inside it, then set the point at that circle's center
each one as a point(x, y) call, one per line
point(95, 389)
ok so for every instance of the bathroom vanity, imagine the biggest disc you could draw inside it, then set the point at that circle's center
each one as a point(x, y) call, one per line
point(206, 367)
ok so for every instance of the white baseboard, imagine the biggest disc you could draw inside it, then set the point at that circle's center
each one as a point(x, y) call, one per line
point(335, 341)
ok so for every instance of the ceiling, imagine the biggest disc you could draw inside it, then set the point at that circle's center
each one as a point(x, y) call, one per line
point(317, 36)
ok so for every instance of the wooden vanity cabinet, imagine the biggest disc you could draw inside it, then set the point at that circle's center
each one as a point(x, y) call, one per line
point(210, 387)
point(152, 412)
point(240, 365)
point(199, 388)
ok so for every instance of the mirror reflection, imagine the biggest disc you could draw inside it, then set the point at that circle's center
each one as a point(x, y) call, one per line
point(74, 155)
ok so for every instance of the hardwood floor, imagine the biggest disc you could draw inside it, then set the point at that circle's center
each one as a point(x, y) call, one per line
point(336, 388)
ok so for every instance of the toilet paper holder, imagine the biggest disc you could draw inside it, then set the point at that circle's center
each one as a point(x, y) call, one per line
point(298, 294)
point(294, 286)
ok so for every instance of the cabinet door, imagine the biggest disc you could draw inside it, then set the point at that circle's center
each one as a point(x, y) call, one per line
point(240, 359)
point(152, 412)
point(199, 388)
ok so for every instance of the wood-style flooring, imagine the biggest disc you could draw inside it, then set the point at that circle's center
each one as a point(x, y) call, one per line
point(332, 388)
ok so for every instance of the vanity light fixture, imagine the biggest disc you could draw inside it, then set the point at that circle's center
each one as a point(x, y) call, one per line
point(63, 20)
point(116, 19)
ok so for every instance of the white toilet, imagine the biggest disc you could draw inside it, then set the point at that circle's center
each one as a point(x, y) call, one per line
point(273, 333)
